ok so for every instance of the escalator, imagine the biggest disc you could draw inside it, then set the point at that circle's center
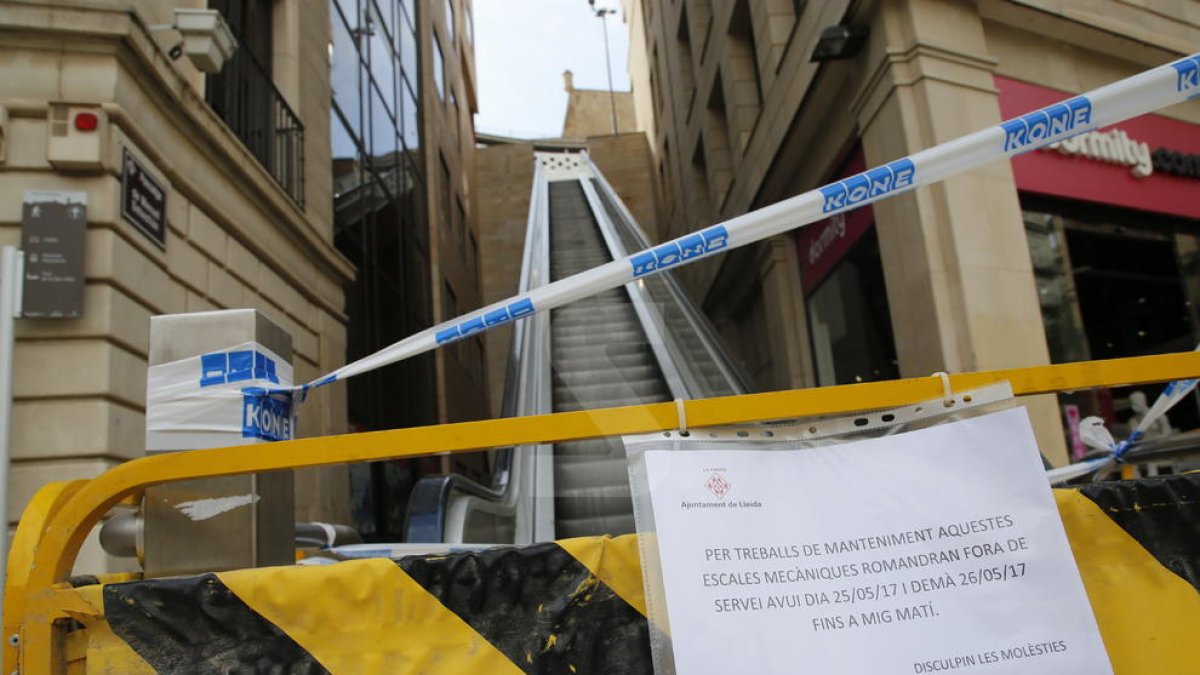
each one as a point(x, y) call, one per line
point(600, 359)
point(643, 343)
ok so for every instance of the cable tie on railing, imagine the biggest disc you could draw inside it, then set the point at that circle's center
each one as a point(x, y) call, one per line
point(682, 412)
point(1124, 446)
point(947, 392)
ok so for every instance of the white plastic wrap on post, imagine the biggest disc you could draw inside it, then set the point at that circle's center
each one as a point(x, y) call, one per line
point(1142, 93)
point(219, 399)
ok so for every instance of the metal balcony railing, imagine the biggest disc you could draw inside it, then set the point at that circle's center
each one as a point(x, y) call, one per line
point(245, 97)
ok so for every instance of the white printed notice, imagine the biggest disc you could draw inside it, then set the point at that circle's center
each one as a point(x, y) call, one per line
point(934, 551)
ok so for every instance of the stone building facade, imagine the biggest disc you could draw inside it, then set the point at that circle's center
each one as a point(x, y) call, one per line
point(322, 177)
point(243, 228)
point(969, 274)
point(596, 112)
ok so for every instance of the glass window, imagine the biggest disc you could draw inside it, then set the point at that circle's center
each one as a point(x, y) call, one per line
point(344, 145)
point(1055, 287)
point(383, 67)
point(410, 115)
point(344, 74)
point(345, 157)
point(470, 18)
point(450, 21)
point(408, 52)
point(439, 76)
point(383, 12)
point(383, 131)
point(382, 223)
point(410, 12)
point(349, 8)
point(1112, 283)
point(850, 322)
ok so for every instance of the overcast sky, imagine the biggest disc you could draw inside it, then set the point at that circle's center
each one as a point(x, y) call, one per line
point(521, 49)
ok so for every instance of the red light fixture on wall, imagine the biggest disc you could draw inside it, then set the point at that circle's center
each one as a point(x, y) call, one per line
point(86, 121)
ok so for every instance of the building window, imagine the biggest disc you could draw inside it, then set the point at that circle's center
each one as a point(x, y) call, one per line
point(470, 18)
point(410, 116)
point(450, 21)
point(383, 61)
point(406, 36)
point(244, 96)
point(439, 69)
point(381, 224)
point(1114, 283)
point(410, 11)
point(344, 74)
point(849, 319)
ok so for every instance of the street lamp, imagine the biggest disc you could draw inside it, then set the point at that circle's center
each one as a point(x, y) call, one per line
point(602, 13)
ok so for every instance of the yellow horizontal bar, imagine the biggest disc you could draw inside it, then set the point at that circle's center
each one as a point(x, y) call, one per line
point(65, 533)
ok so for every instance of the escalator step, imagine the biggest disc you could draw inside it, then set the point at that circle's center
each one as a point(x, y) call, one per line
point(591, 471)
point(607, 391)
point(601, 371)
point(591, 501)
point(590, 450)
point(625, 352)
point(583, 527)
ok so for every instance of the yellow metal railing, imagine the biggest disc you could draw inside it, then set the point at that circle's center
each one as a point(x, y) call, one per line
point(57, 520)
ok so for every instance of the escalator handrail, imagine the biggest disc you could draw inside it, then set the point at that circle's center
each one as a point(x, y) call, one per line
point(425, 517)
point(680, 383)
point(732, 371)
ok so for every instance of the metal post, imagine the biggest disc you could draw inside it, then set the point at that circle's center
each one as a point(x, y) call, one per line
point(248, 519)
point(11, 272)
point(612, 98)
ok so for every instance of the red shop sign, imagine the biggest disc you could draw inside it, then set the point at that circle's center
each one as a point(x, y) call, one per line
point(1150, 163)
point(824, 243)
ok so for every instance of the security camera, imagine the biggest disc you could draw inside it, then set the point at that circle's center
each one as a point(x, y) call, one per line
point(176, 52)
point(207, 40)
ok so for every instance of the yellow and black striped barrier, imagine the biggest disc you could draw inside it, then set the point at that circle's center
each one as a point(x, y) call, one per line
point(576, 606)
point(1144, 594)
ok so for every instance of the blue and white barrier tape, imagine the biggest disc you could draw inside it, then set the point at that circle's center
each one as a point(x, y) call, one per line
point(1172, 394)
point(1142, 93)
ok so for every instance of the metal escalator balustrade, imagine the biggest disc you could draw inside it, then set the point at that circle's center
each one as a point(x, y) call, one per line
point(642, 343)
